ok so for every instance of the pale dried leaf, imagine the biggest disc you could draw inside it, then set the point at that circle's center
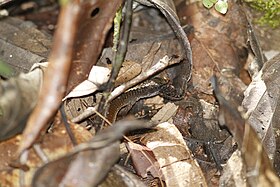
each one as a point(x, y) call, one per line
point(234, 172)
point(165, 113)
point(259, 171)
point(98, 76)
point(173, 155)
point(19, 93)
point(260, 102)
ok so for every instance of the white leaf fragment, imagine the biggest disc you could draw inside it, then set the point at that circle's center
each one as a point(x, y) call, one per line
point(97, 76)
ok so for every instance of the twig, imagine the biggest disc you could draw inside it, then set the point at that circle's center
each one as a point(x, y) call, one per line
point(23, 159)
point(67, 125)
point(87, 113)
point(56, 77)
point(119, 58)
point(122, 48)
point(42, 155)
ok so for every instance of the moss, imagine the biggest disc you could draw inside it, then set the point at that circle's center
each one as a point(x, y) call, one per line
point(270, 10)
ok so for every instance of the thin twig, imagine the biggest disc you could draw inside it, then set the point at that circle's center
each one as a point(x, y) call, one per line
point(67, 125)
point(42, 155)
point(87, 113)
point(23, 159)
point(119, 58)
point(122, 48)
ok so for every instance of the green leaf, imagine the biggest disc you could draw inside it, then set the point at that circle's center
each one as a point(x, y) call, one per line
point(5, 70)
point(221, 6)
point(208, 3)
point(63, 2)
point(213, 1)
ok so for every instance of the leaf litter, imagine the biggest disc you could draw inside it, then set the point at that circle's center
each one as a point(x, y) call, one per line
point(209, 127)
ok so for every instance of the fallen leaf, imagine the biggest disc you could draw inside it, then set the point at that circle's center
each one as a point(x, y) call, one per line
point(22, 45)
point(89, 163)
point(261, 105)
point(259, 170)
point(120, 177)
point(176, 162)
point(143, 160)
point(234, 174)
point(17, 93)
point(97, 76)
point(53, 145)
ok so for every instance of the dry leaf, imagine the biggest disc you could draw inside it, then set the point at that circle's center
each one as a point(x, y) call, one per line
point(21, 44)
point(177, 164)
point(259, 171)
point(97, 76)
point(217, 46)
point(234, 172)
point(54, 145)
point(120, 177)
point(90, 162)
point(88, 168)
point(143, 160)
point(261, 101)
point(165, 113)
point(19, 93)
